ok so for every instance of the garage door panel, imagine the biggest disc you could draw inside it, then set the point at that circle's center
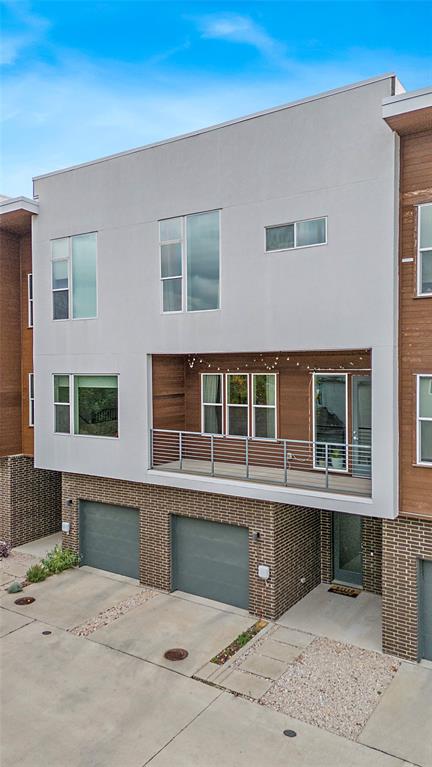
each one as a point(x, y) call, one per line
point(109, 538)
point(211, 559)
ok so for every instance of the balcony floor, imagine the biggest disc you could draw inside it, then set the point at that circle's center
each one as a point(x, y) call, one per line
point(312, 480)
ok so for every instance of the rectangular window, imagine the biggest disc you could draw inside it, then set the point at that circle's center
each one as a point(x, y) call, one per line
point(31, 398)
point(74, 277)
point(30, 300)
point(212, 404)
point(96, 405)
point(237, 385)
point(62, 414)
point(424, 274)
point(424, 419)
point(330, 419)
point(264, 405)
point(190, 262)
point(299, 234)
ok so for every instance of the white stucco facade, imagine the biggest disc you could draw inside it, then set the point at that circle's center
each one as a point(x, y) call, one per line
point(329, 156)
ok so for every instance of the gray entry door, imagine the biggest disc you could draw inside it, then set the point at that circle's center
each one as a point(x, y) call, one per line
point(426, 609)
point(347, 539)
point(109, 538)
point(211, 559)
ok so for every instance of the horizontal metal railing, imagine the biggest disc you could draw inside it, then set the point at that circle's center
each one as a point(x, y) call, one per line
point(331, 466)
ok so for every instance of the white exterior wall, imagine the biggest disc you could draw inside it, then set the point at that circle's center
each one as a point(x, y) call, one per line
point(331, 156)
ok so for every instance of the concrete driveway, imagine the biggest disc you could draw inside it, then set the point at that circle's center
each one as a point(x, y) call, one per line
point(109, 700)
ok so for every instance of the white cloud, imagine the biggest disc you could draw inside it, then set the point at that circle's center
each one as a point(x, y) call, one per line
point(32, 29)
point(241, 29)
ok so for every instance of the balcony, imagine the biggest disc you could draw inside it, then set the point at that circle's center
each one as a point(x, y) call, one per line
point(329, 467)
point(296, 420)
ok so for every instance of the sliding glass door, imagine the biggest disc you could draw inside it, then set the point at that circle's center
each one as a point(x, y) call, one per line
point(330, 420)
point(361, 425)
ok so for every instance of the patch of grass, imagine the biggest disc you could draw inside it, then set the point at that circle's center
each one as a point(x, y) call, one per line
point(36, 573)
point(59, 559)
point(238, 643)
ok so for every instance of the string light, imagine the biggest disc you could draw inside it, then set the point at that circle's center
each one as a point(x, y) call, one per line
point(270, 363)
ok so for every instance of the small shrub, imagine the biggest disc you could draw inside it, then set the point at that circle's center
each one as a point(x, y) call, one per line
point(36, 573)
point(60, 559)
point(4, 549)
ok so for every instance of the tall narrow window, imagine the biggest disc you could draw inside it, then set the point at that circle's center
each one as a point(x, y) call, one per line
point(424, 287)
point(330, 418)
point(212, 421)
point(74, 277)
point(30, 300)
point(31, 398)
point(189, 262)
point(62, 406)
point(237, 404)
point(424, 419)
point(264, 405)
point(96, 405)
point(171, 258)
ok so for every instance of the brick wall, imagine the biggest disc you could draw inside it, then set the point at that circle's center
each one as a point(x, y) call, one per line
point(404, 542)
point(287, 534)
point(326, 546)
point(30, 500)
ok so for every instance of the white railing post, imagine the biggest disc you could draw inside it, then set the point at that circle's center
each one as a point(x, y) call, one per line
point(285, 463)
point(326, 465)
point(212, 454)
point(180, 450)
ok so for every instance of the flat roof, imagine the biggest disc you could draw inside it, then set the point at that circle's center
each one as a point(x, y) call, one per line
point(410, 101)
point(226, 124)
point(12, 204)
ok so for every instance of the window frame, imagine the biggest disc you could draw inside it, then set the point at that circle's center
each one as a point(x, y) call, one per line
point(228, 405)
point(295, 246)
point(184, 292)
point(216, 404)
point(420, 252)
point(68, 259)
point(72, 403)
point(344, 444)
point(265, 407)
point(419, 419)
point(31, 399)
point(30, 318)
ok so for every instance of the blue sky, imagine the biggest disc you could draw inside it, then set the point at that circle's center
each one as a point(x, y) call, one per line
point(84, 79)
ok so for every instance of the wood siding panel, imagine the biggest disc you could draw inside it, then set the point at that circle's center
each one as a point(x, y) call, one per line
point(168, 383)
point(415, 323)
point(10, 345)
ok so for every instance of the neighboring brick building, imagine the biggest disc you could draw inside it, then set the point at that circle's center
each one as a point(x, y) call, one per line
point(407, 541)
point(30, 499)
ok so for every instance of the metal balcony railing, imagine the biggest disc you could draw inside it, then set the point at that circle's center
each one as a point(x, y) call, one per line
point(332, 467)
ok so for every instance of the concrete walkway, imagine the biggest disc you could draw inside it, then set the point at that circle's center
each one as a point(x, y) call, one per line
point(40, 547)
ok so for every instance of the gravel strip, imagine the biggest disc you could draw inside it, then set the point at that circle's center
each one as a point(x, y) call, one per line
point(111, 614)
point(333, 685)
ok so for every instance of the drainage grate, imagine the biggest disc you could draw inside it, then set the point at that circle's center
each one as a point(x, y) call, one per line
point(176, 653)
point(46, 633)
point(290, 733)
point(24, 600)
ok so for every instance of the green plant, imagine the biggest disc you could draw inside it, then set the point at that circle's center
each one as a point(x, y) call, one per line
point(336, 453)
point(60, 559)
point(36, 573)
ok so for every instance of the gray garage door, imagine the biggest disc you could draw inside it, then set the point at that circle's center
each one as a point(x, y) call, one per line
point(211, 560)
point(426, 609)
point(109, 538)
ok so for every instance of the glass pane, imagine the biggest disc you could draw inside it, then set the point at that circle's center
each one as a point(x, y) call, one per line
point(59, 274)
point(84, 275)
point(31, 384)
point(30, 286)
point(60, 248)
point(61, 388)
point(212, 388)
point(237, 389)
point(280, 237)
point(265, 422)
point(62, 419)
point(426, 226)
point(426, 441)
point(96, 405)
point(172, 295)
point(61, 305)
point(425, 393)
point(203, 261)
point(264, 389)
point(32, 406)
point(348, 548)
point(213, 419)
point(330, 409)
point(426, 271)
point(238, 421)
point(171, 229)
point(171, 260)
point(310, 232)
